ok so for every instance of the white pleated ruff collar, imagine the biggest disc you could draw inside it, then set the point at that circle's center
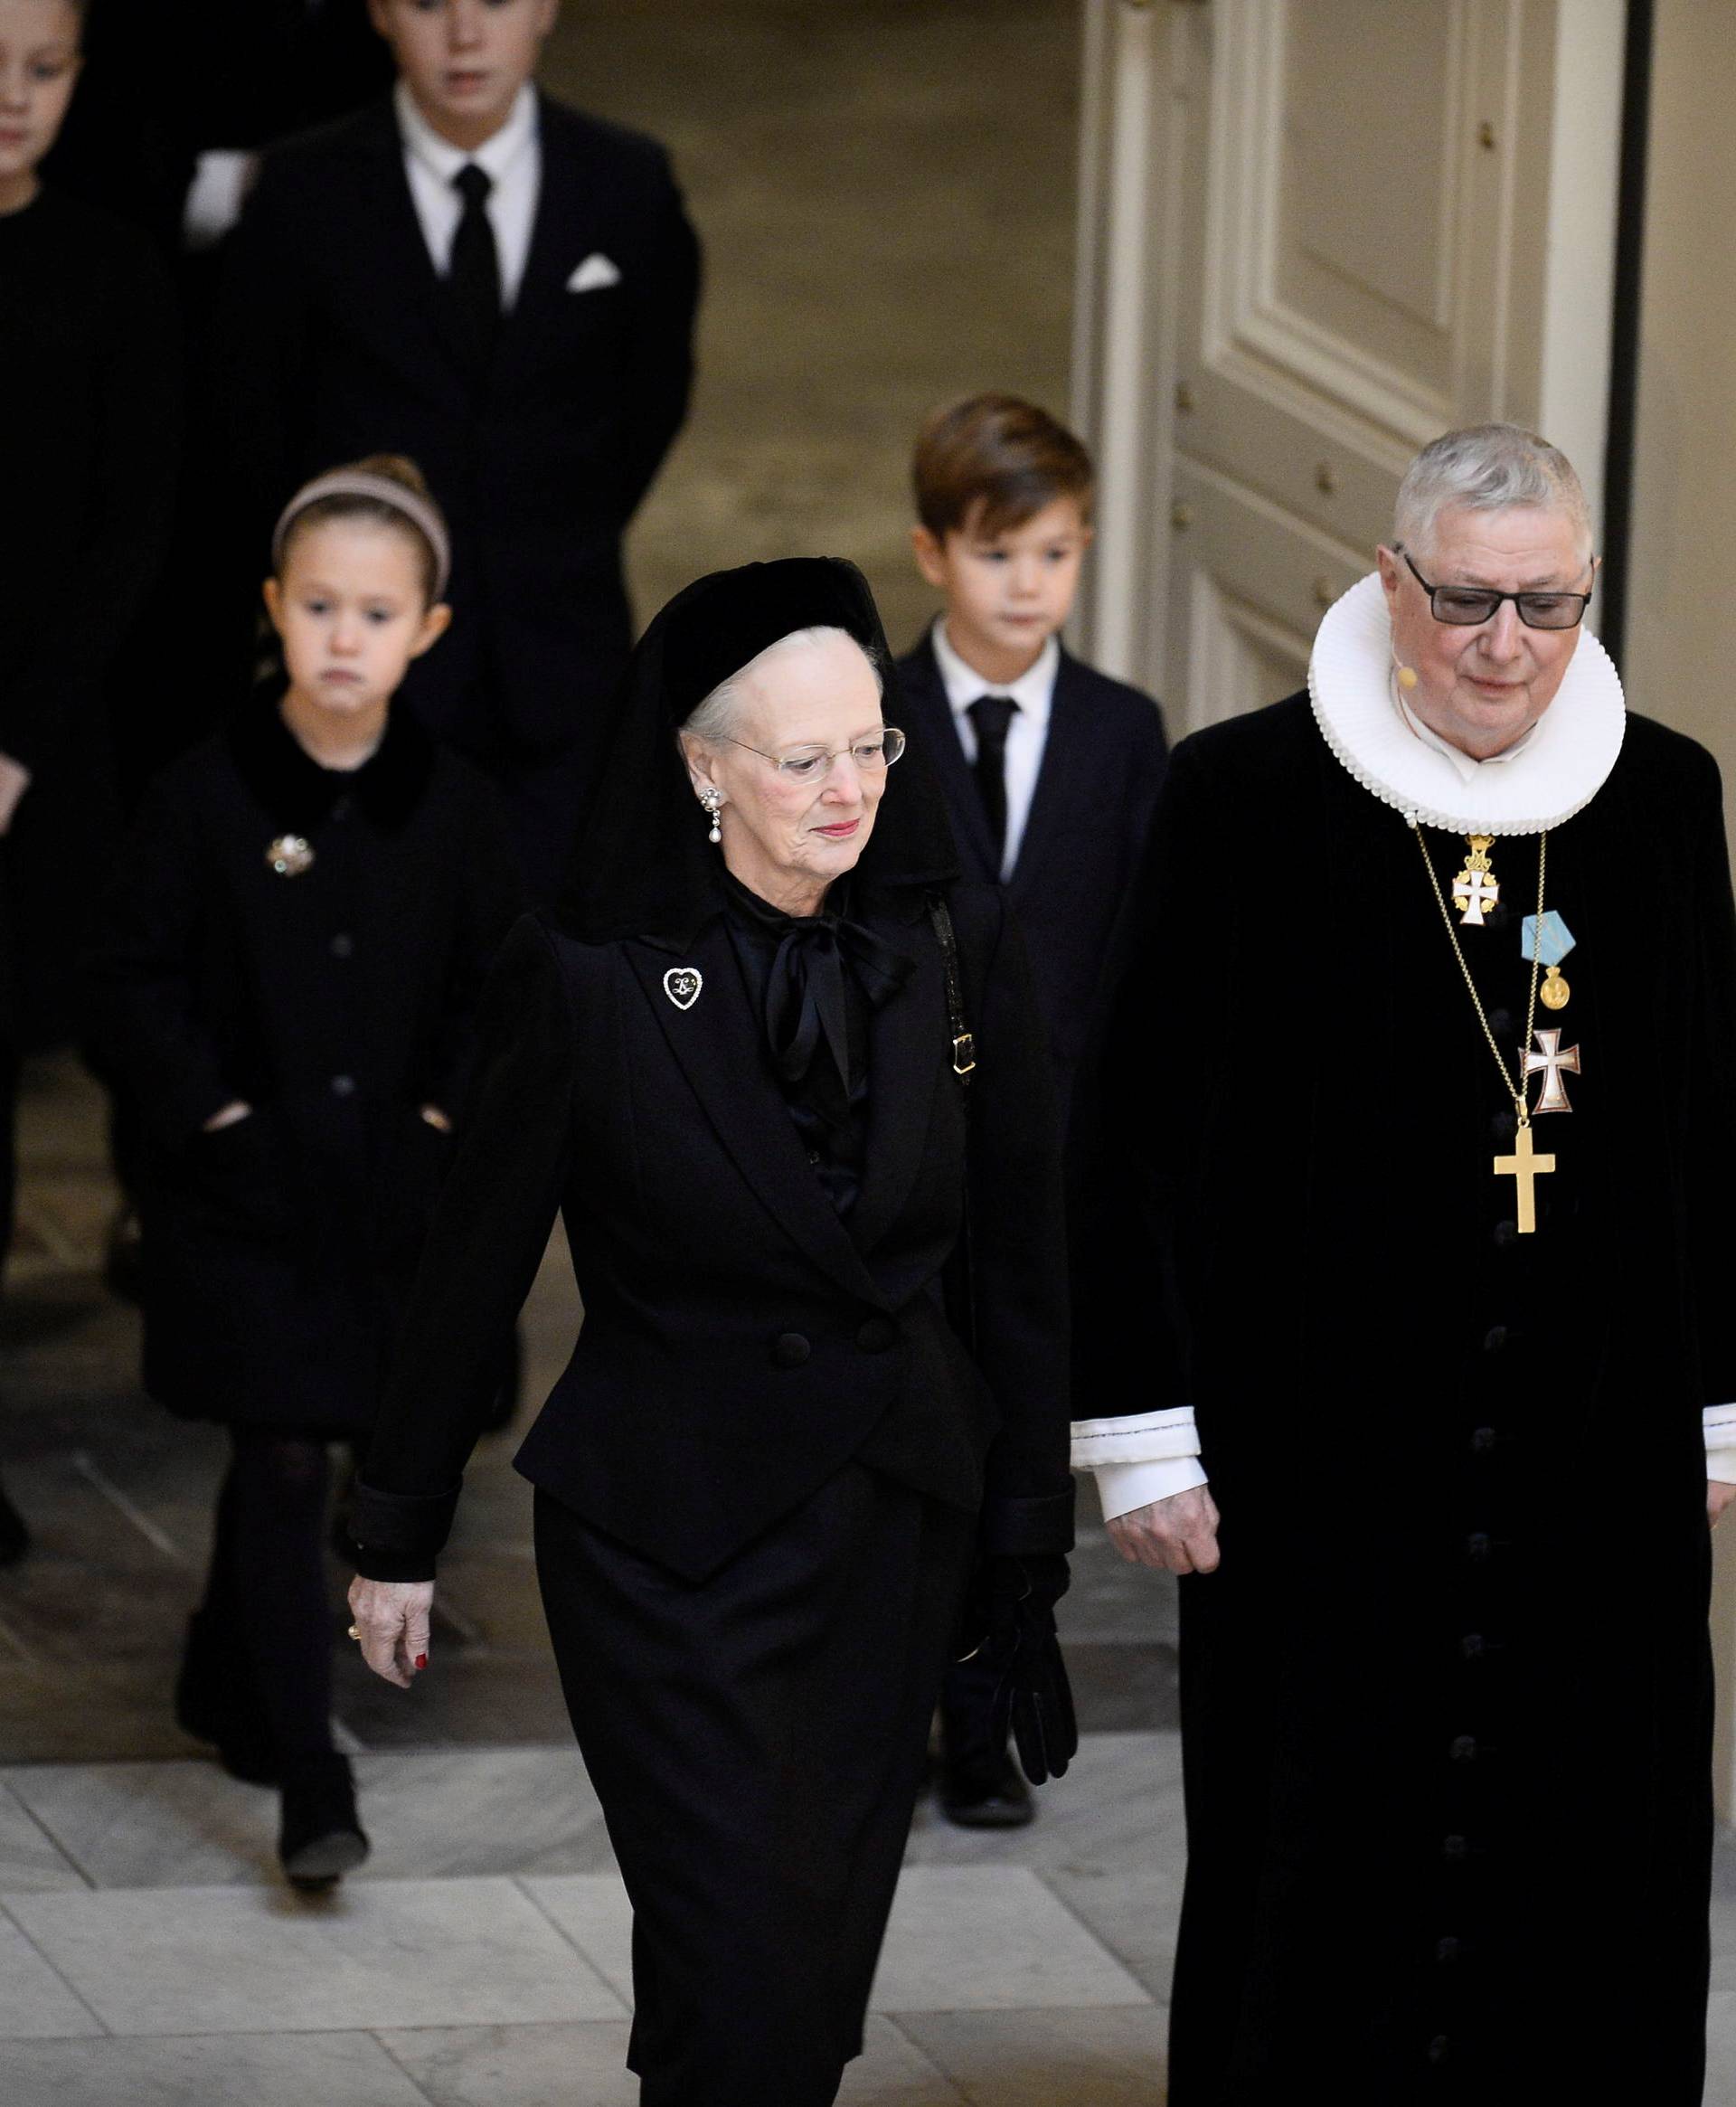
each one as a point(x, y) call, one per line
point(1564, 762)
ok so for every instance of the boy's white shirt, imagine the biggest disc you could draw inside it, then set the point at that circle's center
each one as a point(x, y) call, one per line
point(513, 158)
point(1026, 736)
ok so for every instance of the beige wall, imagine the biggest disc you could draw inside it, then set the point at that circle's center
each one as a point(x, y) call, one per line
point(1682, 604)
point(1681, 608)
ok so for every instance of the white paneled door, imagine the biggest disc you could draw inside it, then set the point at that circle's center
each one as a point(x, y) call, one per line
point(1317, 232)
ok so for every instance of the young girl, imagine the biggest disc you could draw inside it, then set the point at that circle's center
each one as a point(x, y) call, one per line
point(282, 990)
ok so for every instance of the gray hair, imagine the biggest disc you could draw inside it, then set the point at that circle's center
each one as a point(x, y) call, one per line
point(713, 723)
point(1486, 468)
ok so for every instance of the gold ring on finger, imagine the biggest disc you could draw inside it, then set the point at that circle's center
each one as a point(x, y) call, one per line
point(353, 1633)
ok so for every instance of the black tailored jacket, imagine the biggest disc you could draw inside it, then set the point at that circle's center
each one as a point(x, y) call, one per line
point(1084, 843)
point(1072, 891)
point(337, 1002)
point(332, 341)
point(742, 1341)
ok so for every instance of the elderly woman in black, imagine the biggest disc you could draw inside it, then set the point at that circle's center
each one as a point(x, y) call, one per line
point(807, 1443)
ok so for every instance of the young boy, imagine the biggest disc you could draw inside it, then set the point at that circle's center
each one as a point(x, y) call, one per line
point(474, 274)
point(1050, 771)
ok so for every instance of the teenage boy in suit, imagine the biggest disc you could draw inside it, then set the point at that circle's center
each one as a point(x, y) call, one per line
point(475, 275)
point(1050, 771)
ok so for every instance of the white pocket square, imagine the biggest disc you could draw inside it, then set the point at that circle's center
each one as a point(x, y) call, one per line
point(594, 273)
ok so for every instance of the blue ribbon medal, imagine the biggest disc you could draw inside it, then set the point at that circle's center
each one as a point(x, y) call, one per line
point(1547, 941)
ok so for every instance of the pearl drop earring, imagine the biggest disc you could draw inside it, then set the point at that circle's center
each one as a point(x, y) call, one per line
point(713, 801)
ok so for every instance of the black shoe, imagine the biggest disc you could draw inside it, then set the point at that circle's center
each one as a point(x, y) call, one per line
point(321, 1838)
point(214, 1701)
point(15, 1532)
point(985, 1793)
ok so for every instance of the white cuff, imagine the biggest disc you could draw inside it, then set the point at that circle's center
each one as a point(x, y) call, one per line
point(1142, 1437)
point(1719, 1422)
point(1123, 1486)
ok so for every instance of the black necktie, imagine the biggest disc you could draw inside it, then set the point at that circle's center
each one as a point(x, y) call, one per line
point(473, 277)
point(991, 715)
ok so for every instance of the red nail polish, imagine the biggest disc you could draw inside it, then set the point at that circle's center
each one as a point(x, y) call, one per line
point(421, 1660)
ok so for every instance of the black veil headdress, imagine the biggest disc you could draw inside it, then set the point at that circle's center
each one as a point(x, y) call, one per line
point(644, 866)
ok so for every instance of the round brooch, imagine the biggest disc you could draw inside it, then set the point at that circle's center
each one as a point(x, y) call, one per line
point(289, 855)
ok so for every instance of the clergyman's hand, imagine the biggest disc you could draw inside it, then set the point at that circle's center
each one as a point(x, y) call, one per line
point(1179, 1535)
point(1719, 1495)
point(392, 1618)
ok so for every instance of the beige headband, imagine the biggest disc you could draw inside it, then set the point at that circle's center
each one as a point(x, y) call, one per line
point(377, 490)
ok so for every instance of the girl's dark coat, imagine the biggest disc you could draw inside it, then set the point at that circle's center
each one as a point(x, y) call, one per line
point(336, 1003)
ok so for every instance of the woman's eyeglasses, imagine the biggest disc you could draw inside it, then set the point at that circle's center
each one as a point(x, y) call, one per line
point(810, 764)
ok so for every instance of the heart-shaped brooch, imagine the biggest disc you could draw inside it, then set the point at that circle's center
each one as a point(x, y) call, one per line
point(682, 985)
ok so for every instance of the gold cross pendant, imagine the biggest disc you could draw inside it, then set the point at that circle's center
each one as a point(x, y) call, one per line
point(1525, 1167)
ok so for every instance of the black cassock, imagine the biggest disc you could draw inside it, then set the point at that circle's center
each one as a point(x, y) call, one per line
point(1448, 1703)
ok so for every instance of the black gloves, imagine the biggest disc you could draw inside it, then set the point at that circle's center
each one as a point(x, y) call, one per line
point(1011, 1615)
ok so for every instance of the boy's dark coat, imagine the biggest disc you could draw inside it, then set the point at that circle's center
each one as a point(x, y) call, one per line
point(1085, 840)
point(334, 344)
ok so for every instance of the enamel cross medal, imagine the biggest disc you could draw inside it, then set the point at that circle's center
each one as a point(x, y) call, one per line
point(1477, 886)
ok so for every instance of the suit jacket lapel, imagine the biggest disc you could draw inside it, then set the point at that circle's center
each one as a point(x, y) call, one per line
point(565, 207)
point(933, 721)
point(906, 1038)
point(1064, 790)
point(414, 286)
point(716, 1042)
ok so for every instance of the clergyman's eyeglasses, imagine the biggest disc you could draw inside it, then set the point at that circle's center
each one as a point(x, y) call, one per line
point(808, 764)
point(1465, 606)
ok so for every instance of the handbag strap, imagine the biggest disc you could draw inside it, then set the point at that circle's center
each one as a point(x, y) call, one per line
point(964, 1043)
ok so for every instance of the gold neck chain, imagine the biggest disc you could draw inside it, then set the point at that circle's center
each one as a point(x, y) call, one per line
point(1518, 1091)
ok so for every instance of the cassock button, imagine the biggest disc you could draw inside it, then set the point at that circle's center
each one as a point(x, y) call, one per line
point(1446, 1950)
point(876, 1335)
point(1494, 1339)
point(1505, 1233)
point(1505, 1126)
point(343, 946)
point(1483, 1440)
point(1501, 1024)
point(1472, 1646)
point(1455, 1848)
point(1436, 2049)
point(789, 1349)
point(343, 1086)
point(1463, 1748)
point(1478, 1546)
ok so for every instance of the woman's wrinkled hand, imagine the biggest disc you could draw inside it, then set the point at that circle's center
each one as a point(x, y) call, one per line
point(1178, 1535)
point(392, 1618)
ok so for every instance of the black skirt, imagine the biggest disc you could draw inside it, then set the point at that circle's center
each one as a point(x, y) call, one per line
point(757, 1741)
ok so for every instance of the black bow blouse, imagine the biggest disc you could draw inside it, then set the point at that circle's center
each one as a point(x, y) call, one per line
point(814, 981)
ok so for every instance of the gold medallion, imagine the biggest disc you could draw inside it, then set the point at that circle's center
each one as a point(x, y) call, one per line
point(1554, 993)
point(289, 855)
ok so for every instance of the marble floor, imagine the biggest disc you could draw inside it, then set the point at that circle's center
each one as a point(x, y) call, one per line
point(149, 1956)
